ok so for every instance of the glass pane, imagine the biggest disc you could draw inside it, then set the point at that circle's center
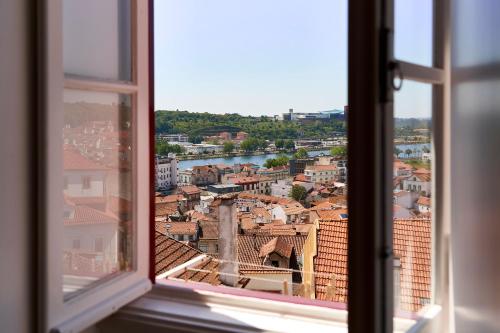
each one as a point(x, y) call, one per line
point(412, 196)
point(253, 173)
point(98, 214)
point(413, 31)
point(97, 38)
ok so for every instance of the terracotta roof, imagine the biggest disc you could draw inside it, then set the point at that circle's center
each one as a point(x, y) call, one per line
point(261, 211)
point(300, 177)
point(248, 222)
point(293, 208)
point(401, 165)
point(209, 230)
point(177, 228)
point(321, 167)
point(332, 214)
point(197, 216)
point(277, 245)
point(170, 198)
point(189, 189)
point(87, 201)
point(249, 248)
point(422, 174)
point(265, 198)
point(244, 180)
point(170, 253)
point(424, 201)
point(89, 215)
point(73, 160)
point(412, 245)
point(165, 209)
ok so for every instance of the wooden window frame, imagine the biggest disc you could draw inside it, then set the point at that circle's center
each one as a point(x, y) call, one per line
point(91, 305)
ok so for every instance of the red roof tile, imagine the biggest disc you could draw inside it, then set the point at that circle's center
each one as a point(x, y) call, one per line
point(88, 215)
point(73, 160)
point(424, 201)
point(278, 245)
point(412, 242)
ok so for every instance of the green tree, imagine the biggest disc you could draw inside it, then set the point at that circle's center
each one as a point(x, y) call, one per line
point(278, 161)
point(289, 144)
point(298, 192)
point(279, 143)
point(249, 145)
point(195, 138)
point(228, 146)
point(164, 148)
point(301, 153)
point(408, 152)
point(397, 151)
point(339, 151)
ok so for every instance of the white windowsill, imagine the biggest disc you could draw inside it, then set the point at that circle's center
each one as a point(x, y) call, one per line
point(174, 305)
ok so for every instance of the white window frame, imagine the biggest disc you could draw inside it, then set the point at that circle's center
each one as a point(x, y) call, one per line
point(439, 76)
point(90, 306)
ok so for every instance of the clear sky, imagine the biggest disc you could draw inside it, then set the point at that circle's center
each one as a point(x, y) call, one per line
point(263, 57)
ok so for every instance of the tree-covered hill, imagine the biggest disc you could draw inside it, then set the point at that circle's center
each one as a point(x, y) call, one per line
point(195, 124)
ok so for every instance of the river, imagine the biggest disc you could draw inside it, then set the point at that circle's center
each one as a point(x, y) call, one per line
point(261, 159)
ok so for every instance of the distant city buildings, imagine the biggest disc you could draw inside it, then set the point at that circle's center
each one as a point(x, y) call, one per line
point(174, 138)
point(320, 173)
point(166, 171)
point(313, 116)
point(203, 148)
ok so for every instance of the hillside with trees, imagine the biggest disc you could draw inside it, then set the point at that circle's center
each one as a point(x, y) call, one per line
point(204, 124)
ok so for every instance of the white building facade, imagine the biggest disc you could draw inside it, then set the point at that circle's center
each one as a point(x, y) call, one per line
point(166, 171)
point(281, 189)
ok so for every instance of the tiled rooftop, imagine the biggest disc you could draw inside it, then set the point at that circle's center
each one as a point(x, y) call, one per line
point(88, 215)
point(412, 242)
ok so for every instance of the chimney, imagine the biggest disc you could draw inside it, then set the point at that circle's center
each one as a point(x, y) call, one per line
point(228, 241)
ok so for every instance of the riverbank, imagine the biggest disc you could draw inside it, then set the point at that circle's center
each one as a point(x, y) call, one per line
point(242, 154)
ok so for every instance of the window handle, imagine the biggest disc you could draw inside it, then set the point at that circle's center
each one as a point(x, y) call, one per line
point(396, 75)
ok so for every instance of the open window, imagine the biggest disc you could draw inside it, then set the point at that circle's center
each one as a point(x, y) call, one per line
point(95, 185)
point(97, 180)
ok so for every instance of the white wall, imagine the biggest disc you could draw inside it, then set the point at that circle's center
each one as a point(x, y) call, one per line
point(17, 200)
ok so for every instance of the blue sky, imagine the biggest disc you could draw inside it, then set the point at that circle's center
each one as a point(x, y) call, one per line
point(263, 57)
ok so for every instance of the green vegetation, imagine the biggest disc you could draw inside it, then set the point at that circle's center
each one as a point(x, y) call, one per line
point(286, 144)
point(195, 138)
point(163, 148)
point(253, 144)
point(267, 128)
point(339, 151)
point(278, 161)
point(418, 164)
point(298, 193)
point(228, 147)
point(301, 153)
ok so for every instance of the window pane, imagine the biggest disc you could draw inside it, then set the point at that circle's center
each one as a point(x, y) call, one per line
point(412, 198)
point(99, 47)
point(98, 214)
point(413, 31)
point(253, 173)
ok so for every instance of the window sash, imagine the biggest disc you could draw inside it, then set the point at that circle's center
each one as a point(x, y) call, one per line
point(110, 294)
point(371, 121)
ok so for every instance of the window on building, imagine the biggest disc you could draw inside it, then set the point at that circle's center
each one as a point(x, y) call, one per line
point(86, 182)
